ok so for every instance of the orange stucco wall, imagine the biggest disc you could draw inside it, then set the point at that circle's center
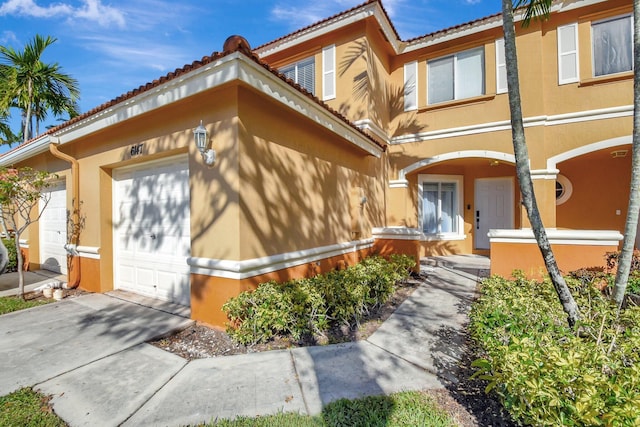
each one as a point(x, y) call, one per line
point(208, 293)
point(507, 257)
point(89, 272)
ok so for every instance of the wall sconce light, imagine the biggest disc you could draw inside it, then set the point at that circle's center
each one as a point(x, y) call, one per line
point(202, 141)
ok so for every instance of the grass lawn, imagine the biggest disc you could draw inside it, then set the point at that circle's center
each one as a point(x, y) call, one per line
point(25, 407)
point(9, 304)
point(28, 408)
point(400, 409)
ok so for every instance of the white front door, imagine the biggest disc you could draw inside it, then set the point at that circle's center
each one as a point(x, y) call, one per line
point(493, 208)
point(53, 229)
point(151, 223)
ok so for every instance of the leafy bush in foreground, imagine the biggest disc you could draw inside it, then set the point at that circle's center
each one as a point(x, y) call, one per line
point(544, 373)
point(310, 306)
point(12, 265)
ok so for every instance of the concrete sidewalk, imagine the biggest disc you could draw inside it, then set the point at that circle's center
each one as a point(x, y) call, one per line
point(32, 280)
point(89, 353)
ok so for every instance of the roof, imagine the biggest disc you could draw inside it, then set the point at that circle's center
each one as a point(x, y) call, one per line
point(215, 56)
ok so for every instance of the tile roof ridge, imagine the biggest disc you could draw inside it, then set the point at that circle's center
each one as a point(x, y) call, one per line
point(232, 44)
point(330, 18)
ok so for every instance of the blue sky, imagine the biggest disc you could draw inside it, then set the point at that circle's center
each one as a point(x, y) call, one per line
point(113, 46)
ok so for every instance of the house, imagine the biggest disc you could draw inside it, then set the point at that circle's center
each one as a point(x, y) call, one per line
point(337, 141)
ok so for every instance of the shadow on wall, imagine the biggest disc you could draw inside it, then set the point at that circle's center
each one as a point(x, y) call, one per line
point(377, 95)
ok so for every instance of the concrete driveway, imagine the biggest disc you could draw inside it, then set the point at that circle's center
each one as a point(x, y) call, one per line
point(44, 342)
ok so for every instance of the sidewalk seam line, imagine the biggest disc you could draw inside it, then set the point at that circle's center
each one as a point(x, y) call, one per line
point(135, 411)
point(406, 360)
point(295, 370)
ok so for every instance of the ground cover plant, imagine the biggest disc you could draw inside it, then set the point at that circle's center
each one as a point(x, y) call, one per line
point(25, 407)
point(400, 409)
point(9, 304)
point(546, 373)
point(309, 307)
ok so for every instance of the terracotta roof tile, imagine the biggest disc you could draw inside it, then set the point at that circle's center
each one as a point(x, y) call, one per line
point(184, 70)
point(337, 15)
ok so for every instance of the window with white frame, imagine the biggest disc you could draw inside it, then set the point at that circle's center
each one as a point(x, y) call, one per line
point(568, 54)
point(612, 45)
point(303, 73)
point(441, 204)
point(457, 76)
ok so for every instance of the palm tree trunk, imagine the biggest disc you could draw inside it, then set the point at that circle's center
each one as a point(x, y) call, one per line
point(523, 171)
point(631, 225)
point(27, 121)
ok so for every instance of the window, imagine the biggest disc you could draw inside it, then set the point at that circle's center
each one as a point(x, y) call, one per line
point(303, 73)
point(329, 72)
point(457, 76)
point(564, 189)
point(501, 68)
point(612, 46)
point(441, 203)
point(568, 54)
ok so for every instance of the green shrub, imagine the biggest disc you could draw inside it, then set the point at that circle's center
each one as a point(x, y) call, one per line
point(310, 306)
point(12, 265)
point(545, 373)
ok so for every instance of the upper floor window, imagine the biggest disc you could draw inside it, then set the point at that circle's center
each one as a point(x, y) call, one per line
point(303, 73)
point(612, 46)
point(456, 76)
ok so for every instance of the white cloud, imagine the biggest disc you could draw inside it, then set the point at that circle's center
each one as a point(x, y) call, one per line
point(136, 53)
point(30, 8)
point(472, 1)
point(94, 10)
point(8, 37)
point(310, 12)
point(302, 15)
point(90, 10)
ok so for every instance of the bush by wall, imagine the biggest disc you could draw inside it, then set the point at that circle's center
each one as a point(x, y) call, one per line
point(543, 371)
point(310, 306)
point(12, 265)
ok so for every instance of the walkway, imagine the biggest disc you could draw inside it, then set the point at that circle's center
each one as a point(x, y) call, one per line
point(90, 354)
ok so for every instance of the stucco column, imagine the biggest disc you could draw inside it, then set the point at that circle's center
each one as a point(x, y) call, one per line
point(544, 186)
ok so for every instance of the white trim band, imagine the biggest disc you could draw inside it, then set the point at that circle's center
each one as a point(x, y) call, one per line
point(254, 267)
point(559, 237)
point(397, 233)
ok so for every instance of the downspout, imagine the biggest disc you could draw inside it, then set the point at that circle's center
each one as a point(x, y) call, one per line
point(74, 265)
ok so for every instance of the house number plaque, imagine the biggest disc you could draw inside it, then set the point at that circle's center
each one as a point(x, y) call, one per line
point(136, 150)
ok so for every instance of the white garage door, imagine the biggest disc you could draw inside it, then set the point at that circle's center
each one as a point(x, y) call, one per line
point(53, 230)
point(151, 230)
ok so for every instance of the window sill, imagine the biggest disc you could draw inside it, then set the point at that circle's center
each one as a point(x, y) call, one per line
point(611, 78)
point(442, 237)
point(457, 103)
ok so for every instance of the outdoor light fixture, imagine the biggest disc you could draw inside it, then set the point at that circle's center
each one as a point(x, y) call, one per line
point(201, 139)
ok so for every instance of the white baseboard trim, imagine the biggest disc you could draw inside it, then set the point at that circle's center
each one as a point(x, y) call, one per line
point(559, 237)
point(253, 267)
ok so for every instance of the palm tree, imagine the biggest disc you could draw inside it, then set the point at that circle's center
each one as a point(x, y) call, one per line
point(631, 224)
point(35, 87)
point(534, 9)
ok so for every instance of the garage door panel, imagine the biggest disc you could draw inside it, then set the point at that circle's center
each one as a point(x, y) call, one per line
point(152, 230)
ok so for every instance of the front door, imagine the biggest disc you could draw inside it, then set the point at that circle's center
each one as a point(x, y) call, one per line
point(53, 229)
point(493, 208)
